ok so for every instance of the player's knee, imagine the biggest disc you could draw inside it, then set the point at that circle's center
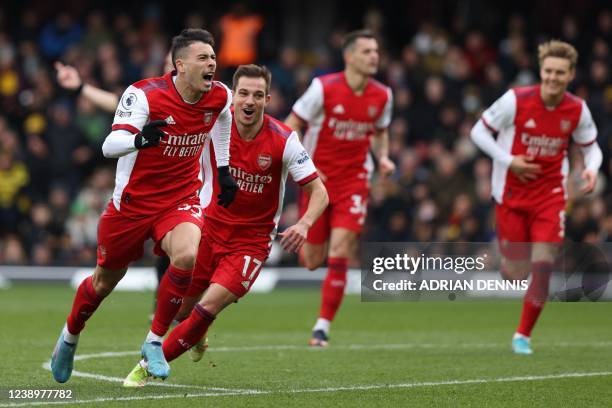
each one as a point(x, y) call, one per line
point(515, 270)
point(544, 252)
point(340, 249)
point(184, 259)
point(314, 260)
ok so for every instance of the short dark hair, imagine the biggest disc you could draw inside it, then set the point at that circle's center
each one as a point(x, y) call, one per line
point(252, 71)
point(187, 37)
point(353, 36)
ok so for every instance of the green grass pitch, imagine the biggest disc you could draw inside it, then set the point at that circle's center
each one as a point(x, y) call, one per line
point(382, 354)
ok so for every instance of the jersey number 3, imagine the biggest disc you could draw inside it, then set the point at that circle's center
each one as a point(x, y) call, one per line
point(196, 210)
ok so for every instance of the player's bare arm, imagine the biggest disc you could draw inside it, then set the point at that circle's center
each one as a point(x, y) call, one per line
point(380, 146)
point(593, 158)
point(294, 237)
point(69, 78)
point(298, 124)
point(295, 122)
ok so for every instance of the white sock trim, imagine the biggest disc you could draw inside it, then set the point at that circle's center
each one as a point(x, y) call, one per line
point(151, 337)
point(322, 324)
point(69, 337)
point(518, 335)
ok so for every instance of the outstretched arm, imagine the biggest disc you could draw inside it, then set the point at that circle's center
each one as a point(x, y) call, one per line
point(69, 78)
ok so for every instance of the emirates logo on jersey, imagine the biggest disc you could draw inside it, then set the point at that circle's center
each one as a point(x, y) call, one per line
point(542, 145)
point(208, 115)
point(250, 182)
point(264, 161)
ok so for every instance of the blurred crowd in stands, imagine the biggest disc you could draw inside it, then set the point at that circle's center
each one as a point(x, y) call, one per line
point(54, 181)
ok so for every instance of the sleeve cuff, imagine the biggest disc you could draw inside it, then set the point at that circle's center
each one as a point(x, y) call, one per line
point(308, 179)
point(300, 117)
point(587, 143)
point(126, 127)
point(491, 128)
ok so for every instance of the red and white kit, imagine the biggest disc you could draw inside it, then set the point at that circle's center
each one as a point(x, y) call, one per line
point(236, 240)
point(340, 124)
point(157, 188)
point(535, 211)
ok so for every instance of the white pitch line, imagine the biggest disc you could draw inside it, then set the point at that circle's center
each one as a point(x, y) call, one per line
point(230, 391)
point(80, 357)
point(101, 377)
point(331, 389)
point(282, 347)
point(113, 399)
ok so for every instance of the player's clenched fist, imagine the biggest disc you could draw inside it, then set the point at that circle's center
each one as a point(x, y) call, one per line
point(150, 135)
point(228, 187)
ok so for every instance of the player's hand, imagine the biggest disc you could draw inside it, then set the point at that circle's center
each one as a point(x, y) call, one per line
point(150, 135)
point(385, 167)
point(589, 177)
point(67, 76)
point(524, 169)
point(294, 237)
point(228, 186)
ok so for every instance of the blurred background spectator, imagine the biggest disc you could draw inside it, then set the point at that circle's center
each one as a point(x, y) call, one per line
point(446, 62)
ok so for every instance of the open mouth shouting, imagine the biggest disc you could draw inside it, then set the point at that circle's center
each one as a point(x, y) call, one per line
point(208, 77)
point(248, 113)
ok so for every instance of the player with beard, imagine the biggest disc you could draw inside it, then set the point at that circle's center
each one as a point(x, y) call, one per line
point(346, 114)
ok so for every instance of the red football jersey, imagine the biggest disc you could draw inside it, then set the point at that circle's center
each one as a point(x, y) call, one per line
point(526, 126)
point(340, 124)
point(260, 167)
point(153, 179)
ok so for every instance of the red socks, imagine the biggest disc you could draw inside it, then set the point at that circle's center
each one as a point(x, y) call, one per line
point(536, 296)
point(187, 333)
point(332, 290)
point(85, 303)
point(170, 293)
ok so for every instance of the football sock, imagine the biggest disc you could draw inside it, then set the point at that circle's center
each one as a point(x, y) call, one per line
point(85, 303)
point(536, 295)
point(322, 324)
point(170, 293)
point(151, 337)
point(519, 335)
point(332, 290)
point(69, 337)
point(188, 333)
